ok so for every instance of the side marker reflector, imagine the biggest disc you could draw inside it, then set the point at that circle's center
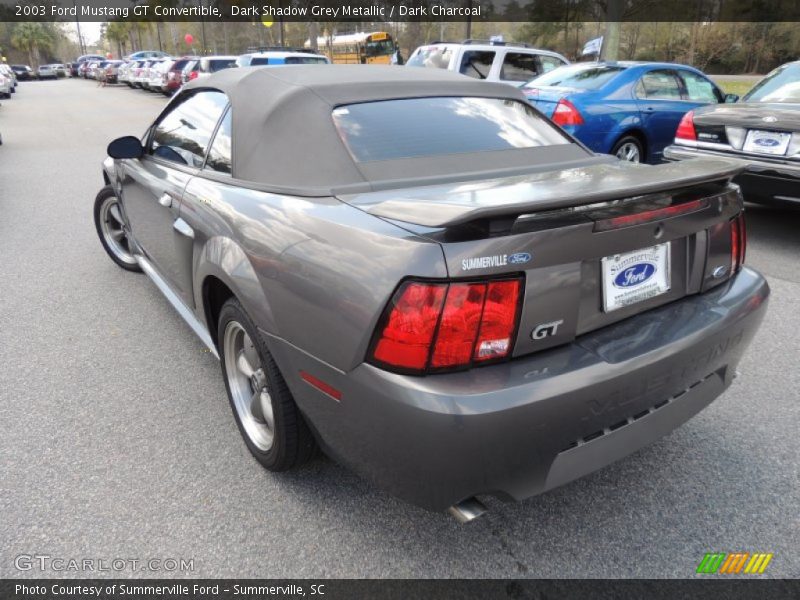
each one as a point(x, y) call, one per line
point(321, 386)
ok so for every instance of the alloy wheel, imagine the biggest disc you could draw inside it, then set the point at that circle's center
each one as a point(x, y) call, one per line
point(248, 386)
point(113, 229)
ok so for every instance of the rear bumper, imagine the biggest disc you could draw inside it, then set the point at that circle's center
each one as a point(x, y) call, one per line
point(521, 428)
point(763, 181)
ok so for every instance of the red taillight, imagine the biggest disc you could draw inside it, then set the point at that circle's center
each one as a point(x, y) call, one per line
point(686, 129)
point(566, 114)
point(406, 337)
point(738, 243)
point(440, 326)
point(459, 327)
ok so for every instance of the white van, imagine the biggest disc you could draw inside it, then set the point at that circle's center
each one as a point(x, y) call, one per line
point(490, 60)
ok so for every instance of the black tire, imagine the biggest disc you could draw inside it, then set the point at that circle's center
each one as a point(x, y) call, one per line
point(126, 262)
point(627, 142)
point(293, 443)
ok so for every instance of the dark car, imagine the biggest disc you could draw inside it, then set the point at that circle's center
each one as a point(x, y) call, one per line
point(24, 72)
point(763, 129)
point(629, 109)
point(174, 79)
point(444, 291)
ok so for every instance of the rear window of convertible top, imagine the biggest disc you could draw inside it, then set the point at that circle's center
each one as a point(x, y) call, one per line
point(420, 127)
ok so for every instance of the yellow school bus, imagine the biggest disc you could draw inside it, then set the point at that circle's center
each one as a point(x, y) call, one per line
point(357, 48)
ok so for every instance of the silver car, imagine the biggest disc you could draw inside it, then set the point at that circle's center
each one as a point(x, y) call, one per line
point(5, 86)
point(440, 288)
point(47, 72)
point(158, 75)
point(9, 73)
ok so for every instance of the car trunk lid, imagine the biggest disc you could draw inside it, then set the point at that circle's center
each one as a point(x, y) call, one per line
point(599, 179)
point(730, 123)
point(583, 238)
point(546, 98)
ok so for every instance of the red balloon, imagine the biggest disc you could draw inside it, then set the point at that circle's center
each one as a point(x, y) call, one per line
point(188, 38)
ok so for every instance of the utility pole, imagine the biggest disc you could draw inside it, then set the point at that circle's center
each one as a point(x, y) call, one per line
point(610, 49)
point(78, 25)
point(203, 30)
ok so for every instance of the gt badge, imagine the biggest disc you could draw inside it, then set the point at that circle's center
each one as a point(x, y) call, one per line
point(546, 330)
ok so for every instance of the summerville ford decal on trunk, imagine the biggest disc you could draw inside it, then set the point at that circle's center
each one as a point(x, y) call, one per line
point(498, 260)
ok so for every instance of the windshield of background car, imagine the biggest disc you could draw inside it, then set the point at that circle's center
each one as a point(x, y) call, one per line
point(781, 85)
point(417, 127)
point(578, 77)
point(217, 64)
point(434, 57)
point(380, 48)
point(305, 60)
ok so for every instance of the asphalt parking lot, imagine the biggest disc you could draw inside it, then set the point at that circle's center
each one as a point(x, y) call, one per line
point(117, 438)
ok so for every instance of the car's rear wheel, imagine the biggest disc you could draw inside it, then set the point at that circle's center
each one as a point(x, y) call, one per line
point(265, 412)
point(111, 229)
point(628, 148)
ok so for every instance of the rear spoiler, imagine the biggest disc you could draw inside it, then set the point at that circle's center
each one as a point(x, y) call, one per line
point(451, 204)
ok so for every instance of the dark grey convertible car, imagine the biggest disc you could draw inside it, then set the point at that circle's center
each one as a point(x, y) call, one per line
point(420, 274)
point(763, 129)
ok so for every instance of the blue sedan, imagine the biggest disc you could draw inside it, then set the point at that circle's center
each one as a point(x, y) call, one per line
point(630, 109)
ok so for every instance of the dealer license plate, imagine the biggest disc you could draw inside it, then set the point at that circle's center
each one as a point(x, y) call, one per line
point(632, 277)
point(766, 142)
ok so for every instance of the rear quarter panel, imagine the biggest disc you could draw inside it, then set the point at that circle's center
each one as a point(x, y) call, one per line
point(314, 272)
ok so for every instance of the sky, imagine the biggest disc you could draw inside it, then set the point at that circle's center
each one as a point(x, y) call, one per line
point(90, 31)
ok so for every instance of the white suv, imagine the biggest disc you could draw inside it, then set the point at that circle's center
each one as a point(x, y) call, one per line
point(490, 60)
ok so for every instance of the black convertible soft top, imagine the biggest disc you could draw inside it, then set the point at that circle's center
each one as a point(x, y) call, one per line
point(284, 138)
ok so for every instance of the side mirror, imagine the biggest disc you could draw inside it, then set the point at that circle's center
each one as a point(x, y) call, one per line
point(730, 98)
point(126, 147)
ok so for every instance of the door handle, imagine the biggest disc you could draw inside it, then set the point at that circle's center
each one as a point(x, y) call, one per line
point(165, 200)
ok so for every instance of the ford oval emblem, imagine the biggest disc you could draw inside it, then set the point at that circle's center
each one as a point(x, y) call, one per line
point(767, 142)
point(634, 275)
point(769, 119)
point(519, 258)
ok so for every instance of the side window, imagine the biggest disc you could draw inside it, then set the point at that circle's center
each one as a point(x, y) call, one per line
point(699, 89)
point(548, 63)
point(182, 135)
point(219, 156)
point(518, 67)
point(658, 85)
point(476, 63)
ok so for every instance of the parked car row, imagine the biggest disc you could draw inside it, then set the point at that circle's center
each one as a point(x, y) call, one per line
point(163, 74)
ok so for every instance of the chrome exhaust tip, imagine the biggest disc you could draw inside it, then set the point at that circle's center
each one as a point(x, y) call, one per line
point(467, 510)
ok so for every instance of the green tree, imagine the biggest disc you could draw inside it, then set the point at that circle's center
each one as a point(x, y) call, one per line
point(32, 38)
